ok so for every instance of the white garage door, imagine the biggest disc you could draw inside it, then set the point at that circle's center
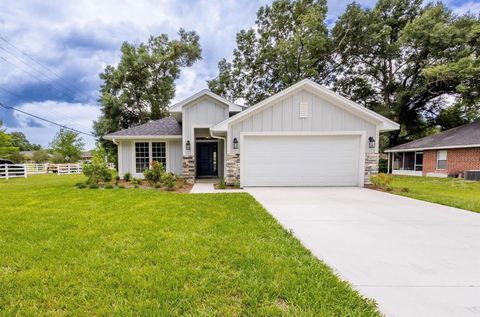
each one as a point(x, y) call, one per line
point(313, 160)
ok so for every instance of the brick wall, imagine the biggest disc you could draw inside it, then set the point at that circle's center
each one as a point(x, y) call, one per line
point(458, 160)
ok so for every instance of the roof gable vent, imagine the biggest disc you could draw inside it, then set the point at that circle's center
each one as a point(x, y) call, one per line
point(303, 110)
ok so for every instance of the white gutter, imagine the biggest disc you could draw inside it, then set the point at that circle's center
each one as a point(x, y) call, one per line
point(434, 148)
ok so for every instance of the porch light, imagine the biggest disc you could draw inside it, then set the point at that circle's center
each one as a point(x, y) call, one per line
point(235, 143)
point(187, 145)
point(371, 142)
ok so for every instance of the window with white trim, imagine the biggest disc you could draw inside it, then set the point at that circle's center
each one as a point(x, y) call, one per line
point(159, 153)
point(442, 160)
point(142, 156)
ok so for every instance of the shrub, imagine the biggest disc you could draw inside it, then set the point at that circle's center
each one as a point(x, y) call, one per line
point(382, 165)
point(121, 186)
point(81, 185)
point(117, 178)
point(93, 186)
point(127, 177)
point(221, 184)
point(136, 181)
point(155, 172)
point(157, 185)
point(97, 171)
point(168, 180)
point(382, 181)
point(108, 186)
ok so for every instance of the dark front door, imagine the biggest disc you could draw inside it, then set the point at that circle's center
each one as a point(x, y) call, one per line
point(207, 159)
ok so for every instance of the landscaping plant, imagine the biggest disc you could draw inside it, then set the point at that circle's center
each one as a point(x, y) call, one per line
point(97, 171)
point(382, 181)
point(127, 177)
point(168, 180)
point(154, 173)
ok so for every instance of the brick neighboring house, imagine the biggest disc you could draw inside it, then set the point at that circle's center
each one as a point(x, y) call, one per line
point(449, 153)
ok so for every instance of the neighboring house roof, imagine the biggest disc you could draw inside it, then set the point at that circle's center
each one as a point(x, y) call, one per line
point(86, 154)
point(467, 135)
point(325, 93)
point(166, 127)
point(27, 153)
point(232, 107)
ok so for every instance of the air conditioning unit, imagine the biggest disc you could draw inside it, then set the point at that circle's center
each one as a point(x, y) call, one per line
point(472, 175)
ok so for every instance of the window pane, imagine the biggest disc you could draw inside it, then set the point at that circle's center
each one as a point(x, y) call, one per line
point(442, 155)
point(442, 165)
point(141, 156)
point(159, 153)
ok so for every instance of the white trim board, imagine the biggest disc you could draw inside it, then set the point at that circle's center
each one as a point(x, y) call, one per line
point(434, 148)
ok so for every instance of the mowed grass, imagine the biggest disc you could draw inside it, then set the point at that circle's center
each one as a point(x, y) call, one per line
point(135, 252)
point(446, 191)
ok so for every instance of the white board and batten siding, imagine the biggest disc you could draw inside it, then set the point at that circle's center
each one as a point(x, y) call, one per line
point(284, 115)
point(201, 113)
point(302, 139)
point(126, 156)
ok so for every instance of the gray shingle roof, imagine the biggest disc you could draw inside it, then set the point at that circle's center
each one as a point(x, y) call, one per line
point(467, 135)
point(165, 126)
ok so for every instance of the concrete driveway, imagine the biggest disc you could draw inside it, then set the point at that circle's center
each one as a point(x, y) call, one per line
point(414, 258)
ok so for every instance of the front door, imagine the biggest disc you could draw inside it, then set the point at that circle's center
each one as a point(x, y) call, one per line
point(207, 159)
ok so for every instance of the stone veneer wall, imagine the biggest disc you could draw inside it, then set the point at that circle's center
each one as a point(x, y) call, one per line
point(232, 174)
point(189, 169)
point(371, 166)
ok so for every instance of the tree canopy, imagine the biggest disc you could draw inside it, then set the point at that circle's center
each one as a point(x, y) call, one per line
point(414, 63)
point(6, 145)
point(20, 140)
point(68, 146)
point(142, 85)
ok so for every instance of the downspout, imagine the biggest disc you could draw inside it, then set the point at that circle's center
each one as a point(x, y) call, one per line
point(224, 150)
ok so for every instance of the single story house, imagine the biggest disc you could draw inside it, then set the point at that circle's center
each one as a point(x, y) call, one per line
point(449, 153)
point(305, 135)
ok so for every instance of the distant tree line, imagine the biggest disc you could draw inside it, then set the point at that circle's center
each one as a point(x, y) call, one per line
point(66, 147)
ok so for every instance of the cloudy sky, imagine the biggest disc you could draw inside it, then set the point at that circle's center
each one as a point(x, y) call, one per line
point(51, 52)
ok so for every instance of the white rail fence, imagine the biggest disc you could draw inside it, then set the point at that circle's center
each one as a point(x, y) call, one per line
point(8, 171)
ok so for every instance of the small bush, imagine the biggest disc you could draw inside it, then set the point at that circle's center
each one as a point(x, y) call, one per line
point(108, 186)
point(382, 181)
point(154, 173)
point(382, 165)
point(81, 185)
point(121, 186)
point(135, 186)
point(93, 186)
point(405, 190)
point(168, 180)
point(127, 177)
point(117, 178)
point(136, 181)
point(221, 184)
point(97, 171)
point(236, 184)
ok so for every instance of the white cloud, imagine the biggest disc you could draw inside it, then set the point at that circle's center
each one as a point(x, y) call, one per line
point(75, 115)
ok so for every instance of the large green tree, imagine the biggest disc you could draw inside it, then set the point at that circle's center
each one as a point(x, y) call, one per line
point(68, 146)
point(288, 43)
point(20, 140)
point(403, 59)
point(142, 85)
point(6, 146)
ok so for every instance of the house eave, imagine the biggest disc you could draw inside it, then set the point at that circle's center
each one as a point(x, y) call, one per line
point(143, 137)
point(433, 148)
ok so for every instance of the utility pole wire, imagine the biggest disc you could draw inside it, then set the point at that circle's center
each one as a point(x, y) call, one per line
point(33, 59)
point(46, 120)
point(42, 73)
point(72, 121)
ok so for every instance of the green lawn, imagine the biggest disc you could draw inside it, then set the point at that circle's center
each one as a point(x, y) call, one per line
point(446, 191)
point(135, 252)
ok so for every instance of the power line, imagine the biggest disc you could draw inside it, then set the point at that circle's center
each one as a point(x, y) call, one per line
point(33, 59)
point(73, 121)
point(38, 71)
point(46, 120)
point(32, 74)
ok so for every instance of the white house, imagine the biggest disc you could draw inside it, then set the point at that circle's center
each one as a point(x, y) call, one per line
point(305, 135)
